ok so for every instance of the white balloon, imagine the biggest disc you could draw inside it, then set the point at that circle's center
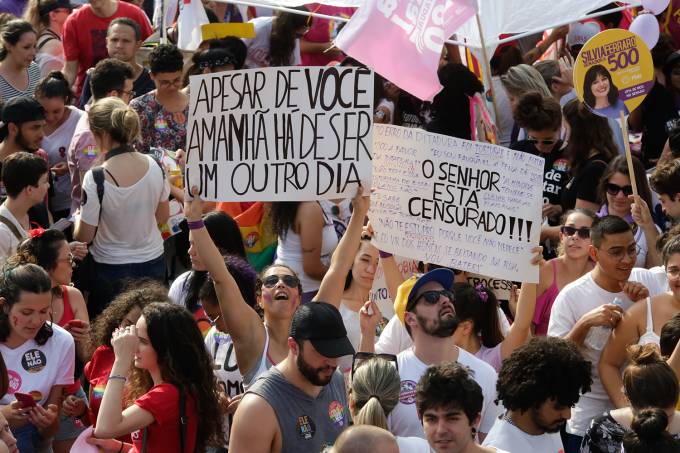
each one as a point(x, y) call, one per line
point(655, 6)
point(647, 27)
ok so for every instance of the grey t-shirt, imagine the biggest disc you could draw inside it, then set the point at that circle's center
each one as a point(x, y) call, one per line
point(306, 423)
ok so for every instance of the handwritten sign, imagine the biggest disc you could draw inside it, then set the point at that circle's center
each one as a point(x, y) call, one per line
point(467, 205)
point(501, 288)
point(280, 134)
point(613, 72)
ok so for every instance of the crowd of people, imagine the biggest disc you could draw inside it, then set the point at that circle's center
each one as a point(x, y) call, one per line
point(140, 342)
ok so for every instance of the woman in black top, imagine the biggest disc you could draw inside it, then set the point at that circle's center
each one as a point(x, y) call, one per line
point(590, 147)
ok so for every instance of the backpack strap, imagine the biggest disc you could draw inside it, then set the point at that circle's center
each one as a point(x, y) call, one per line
point(12, 227)
point(99, 177)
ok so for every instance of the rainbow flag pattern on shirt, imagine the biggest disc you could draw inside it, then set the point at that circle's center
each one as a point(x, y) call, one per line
point(97, 392)
point(258, 238)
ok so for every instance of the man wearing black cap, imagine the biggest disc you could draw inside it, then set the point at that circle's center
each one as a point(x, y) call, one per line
point(22, 129)
point(299, 405)
point(430, 318)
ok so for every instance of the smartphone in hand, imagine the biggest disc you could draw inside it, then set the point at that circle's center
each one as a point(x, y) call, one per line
point(25, 399)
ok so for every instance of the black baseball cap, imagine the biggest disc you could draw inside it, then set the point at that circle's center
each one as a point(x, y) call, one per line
point(46, 7)
point(22, 109)
point(321, 324)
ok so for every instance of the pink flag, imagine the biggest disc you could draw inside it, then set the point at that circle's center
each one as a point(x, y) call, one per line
point(402, 39)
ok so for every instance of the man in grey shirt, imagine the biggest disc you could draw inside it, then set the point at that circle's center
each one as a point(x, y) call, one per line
point(299, 405)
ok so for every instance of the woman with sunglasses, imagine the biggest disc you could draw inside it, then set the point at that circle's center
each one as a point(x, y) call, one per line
point(50, 250)
point(541, 118)
point(163, 112)
point(641, 324)
point(617, 193)
point(40, 356)
point(258, 345)
point(571, 263)
point(374, 392)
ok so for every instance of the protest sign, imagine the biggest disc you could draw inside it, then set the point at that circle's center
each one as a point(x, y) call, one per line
point(613, 73)
point(501, 288)
point(379, 292)
point(467, 205)
point(280, 134)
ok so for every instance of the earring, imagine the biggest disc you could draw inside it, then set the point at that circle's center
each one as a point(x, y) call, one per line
point(474, 433)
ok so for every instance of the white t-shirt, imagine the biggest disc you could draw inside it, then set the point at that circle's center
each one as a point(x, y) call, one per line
point(403, 420)
point(413, 445)
point(8, 241)
point(509, 437)
point(35, 369)
point(575, 300)
point(258, 47)
point(394, 338)
point(221, 349)
point(351, 320)
point(56, 145)
point(128, 232)
point(661, 279)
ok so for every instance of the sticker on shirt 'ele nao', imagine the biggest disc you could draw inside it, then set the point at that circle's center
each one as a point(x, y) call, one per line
point(34, 361)
point(306, 427)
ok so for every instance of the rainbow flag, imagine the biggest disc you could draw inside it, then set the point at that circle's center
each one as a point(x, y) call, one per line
point(258, 238)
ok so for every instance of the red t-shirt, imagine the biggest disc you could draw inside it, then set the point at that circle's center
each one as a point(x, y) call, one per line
point(84, 36)
point(163, 403)
point(97, 372)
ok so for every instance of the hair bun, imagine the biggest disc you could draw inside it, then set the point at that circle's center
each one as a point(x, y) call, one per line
point(647, 354)
point(650, 423)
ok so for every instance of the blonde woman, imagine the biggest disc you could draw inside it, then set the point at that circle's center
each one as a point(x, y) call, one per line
point(374, 392)
point(126, 242)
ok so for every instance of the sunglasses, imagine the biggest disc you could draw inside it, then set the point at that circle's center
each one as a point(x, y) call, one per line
point(583, 233)
point(361, 357)
point(535, 141)
point(290, 281)
point(430, 297)
point(613, 189)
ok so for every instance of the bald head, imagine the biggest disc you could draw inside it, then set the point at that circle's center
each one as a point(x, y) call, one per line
point(365, 439)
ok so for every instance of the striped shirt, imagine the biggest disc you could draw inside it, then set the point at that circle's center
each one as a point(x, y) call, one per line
point(7, 91)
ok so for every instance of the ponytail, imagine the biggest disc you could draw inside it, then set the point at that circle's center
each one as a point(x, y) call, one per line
point(648, 433)
point(479, 305)
point(375, 391)
point(113, 116)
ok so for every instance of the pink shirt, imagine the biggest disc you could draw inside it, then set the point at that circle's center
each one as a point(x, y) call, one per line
point(80, 156)
point(323, 30)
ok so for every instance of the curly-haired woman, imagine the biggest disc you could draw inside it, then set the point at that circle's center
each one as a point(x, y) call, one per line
point(124, 311)
point(170, 384)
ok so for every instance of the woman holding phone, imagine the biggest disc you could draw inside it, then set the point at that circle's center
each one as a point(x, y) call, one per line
point(50, 250)
point(40, 356)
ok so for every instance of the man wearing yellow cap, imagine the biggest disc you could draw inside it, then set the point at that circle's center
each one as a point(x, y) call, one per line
point(430, 318)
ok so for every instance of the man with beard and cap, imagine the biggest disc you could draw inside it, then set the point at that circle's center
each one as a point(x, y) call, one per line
point(538, 384)
point(300, 404)
point(430, 319)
